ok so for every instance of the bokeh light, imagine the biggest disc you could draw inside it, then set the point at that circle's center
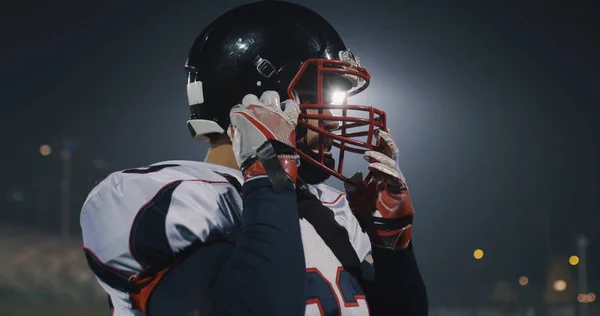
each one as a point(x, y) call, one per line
point(18, 196)
point(45, 150)
point(573, 260)
point(559, 285)
point(523, 280)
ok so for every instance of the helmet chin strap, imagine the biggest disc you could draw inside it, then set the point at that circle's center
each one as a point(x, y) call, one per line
point(307, 171)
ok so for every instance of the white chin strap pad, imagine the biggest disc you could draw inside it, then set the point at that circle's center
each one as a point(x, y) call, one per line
point(200, 127)
point(203, 127)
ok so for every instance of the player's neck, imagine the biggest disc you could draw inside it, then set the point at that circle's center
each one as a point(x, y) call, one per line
point(221, 155)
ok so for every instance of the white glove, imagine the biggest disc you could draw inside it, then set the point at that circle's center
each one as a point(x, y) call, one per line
point(384, 163)
point(257, 120)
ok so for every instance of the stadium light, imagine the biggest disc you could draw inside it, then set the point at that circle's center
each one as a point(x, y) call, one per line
point(339, 98)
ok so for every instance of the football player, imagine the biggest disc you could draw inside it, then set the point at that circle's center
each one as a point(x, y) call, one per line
point(252, 230)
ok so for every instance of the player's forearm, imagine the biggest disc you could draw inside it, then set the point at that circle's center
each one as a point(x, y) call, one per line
point(397, 284)
point(269, 258)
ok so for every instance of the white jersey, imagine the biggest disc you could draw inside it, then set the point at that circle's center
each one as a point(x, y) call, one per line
point(196, 203)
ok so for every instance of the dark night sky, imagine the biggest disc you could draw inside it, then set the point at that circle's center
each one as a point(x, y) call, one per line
point(495, 108)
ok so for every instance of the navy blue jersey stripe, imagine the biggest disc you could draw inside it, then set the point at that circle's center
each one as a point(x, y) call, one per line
point(148, 240)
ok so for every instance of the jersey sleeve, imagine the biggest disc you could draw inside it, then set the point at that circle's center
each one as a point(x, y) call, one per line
point(131, 222)
point(397, 283)
point(199, 212)
point(262, 274)
point(135, 222)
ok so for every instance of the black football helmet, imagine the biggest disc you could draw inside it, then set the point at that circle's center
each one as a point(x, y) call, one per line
point(285, 47)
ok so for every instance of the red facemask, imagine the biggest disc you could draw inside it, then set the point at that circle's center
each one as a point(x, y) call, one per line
point(355, 134)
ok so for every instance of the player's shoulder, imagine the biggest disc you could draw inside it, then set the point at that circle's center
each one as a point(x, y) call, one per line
point(143, 182)
point(173, 170)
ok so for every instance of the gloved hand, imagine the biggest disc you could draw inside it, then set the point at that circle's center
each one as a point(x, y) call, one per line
point(383, 206)
point(256, 121)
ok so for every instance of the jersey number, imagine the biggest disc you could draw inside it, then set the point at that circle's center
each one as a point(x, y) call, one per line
point(321, 292)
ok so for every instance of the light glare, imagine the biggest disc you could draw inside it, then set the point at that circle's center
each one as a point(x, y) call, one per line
point(339, 98)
